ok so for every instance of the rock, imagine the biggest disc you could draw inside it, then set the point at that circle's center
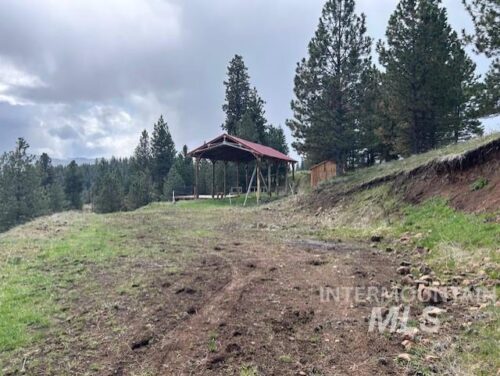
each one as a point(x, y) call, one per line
point(405, 263)
point(404, 239)
point(382, 361)
point(389, 249)
point(218, 248)
point(431, 295)
point(404, 357)
point(431, 358)
point(426, 277)
point(435, 311)
point(425, 269)
point(407, 280)
point(409, 334)
point(404, 270)
point(376, 238)
point(407, 344)
point(318, 212)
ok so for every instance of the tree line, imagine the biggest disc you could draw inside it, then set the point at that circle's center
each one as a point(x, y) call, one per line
point(423, 94)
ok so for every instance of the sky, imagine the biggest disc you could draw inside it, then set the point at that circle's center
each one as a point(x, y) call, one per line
point(83, 78)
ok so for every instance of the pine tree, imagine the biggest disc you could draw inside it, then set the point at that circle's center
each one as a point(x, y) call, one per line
point(327, 85)
point(20, 191)
point(140, 191)
point(424, 92)
point(275, 138)
point(173, 183)
point(237, 94)
point(246, 128)
point(73, 186)
point(142, 153)
point(486, 18)
point(163, 153)
point(109, 194)
point(256, 112)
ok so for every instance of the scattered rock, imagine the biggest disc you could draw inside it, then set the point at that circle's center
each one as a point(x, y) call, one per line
point(404, 270)
point(233, 348)
point(431, 358)
point(431, 295)
point(410, 334)
point(382, 361)
point(425, 269)
point(191, 311)
point(407, 344)
point(407, 280)
point(218, 248)
point(405, 263)
point(389, 249)
point(435, 311)
point(185, 290)
point(376, 238)
point(404, 357)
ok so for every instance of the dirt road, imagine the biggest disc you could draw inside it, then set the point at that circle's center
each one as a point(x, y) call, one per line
point(247, 302)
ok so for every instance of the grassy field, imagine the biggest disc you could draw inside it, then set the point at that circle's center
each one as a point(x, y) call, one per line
point(54, 264)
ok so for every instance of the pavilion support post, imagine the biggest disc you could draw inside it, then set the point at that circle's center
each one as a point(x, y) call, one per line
point(238, 178)
point(277, 177)
point(225, 178)
point(196, 178)
point(246, 176)
point(213, 179)
point(258, 180)
point(249, 186)
point(269, 189)
point(286, 178)
point(293, 171)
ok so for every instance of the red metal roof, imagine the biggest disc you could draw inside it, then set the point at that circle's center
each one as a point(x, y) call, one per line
point(252, 147)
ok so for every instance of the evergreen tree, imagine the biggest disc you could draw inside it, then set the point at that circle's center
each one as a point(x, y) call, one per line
point(486, 17)
point(73, 186)
point(173, 183)
point(327, 85)
point(142, 153)
point(275, 138)
point(237, 94)
point(424, 90)
point(141, 190)
point(184, 165)
point(246, 128)
point(20, 193)
point(163, 153)
point(109, 194)
point(255, 112)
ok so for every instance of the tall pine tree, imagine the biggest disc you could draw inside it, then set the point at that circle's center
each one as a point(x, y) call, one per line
point(237, 94)
point(162, 152)
point(73, 186)
point(327, 85)
point(427, 76)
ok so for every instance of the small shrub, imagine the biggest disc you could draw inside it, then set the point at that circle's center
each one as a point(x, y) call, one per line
point(479, 184)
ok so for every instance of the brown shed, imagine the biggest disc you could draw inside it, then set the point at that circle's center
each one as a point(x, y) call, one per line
point(323, 171)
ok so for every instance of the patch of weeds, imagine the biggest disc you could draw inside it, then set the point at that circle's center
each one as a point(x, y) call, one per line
point(248, 371)
point(212, 342)
point(479, 184)
point(285, 358)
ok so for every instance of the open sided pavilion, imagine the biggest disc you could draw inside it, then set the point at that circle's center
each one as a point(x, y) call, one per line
point(227, 148)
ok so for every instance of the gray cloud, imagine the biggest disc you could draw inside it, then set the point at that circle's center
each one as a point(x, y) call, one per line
point(82, 78)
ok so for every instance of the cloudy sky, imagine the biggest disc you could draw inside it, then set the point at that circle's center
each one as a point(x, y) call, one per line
point(82, 78)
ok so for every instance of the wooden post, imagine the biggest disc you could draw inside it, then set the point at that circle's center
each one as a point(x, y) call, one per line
point(293, 171)
point(246, 176)
point(237, 178)
point(258, 180)
point(269, 179)
point(196, 177)
point(225, 168)
point(277, 167)
point(286, 178)
point(213, 179)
